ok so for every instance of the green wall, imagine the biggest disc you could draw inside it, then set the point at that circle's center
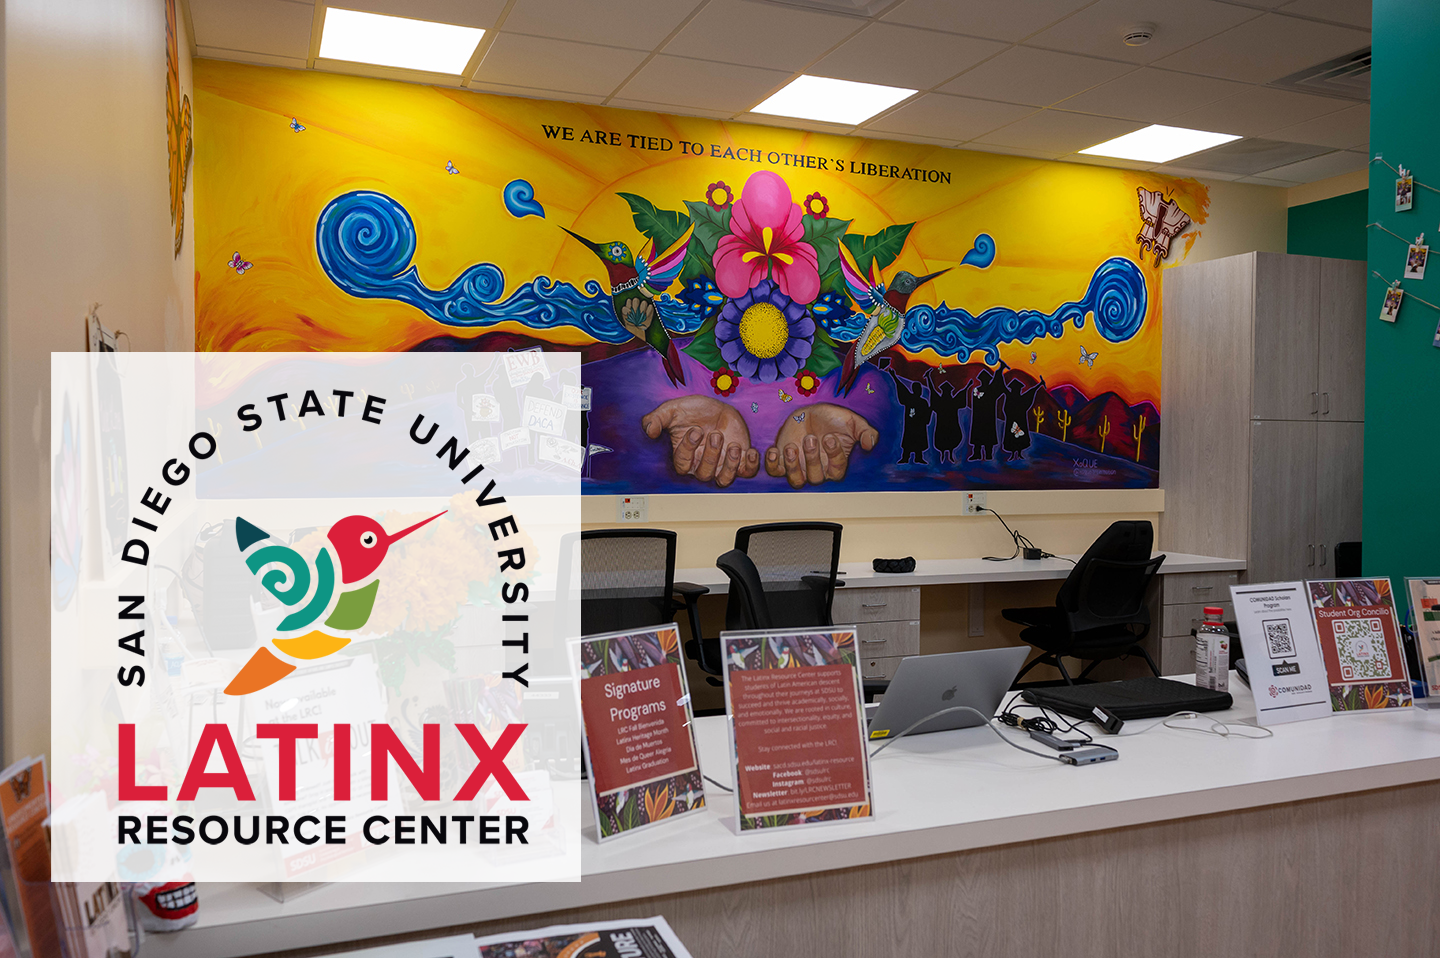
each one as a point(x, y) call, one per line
point(1333, 227)
point(1402, 368)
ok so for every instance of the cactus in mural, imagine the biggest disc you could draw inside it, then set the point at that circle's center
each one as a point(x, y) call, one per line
point(1039, 418)
point(1062, 418)
point(1137, 431)
point(1104, 432)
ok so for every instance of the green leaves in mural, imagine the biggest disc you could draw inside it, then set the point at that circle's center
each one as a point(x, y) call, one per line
point(662, 227)
point(824, 235)
point(824, 354)
point(710, 225)
point(882, 248)
point(703, 348)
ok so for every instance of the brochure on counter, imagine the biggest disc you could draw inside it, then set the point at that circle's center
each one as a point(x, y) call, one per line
point(797, 727)
point(1359, 636)
point(1277, 635)
point(1425, 613)
point(639, 729)
point(639, 938)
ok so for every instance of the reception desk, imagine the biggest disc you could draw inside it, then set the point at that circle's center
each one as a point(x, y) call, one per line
point(1324, 839)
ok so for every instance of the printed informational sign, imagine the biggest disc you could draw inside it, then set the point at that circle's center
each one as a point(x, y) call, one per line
point(640, 938)
point(797, 727)
point(560, 451)
point(524, 364)
point(639, 730)
point(1277, 636)
point(1360, 642)
point(544, 416)
point(1425, 612)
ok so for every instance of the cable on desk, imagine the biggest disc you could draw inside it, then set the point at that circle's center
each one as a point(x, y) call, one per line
point(1216, 727)
point(964, 708)
point(1047, 721)
point(723, 788)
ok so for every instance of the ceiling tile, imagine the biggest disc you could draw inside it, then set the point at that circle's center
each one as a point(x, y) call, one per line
point(1010, 151)
point(948, 117)
point(1035, 77)
point(1172, 170)
point(1320, 167)
point(1058, 132)
point(793, 123)
point(1257, 112)
point(650, 107)
point(904, 56)
point(466, 13)
point(1252, 155)
point(767, 35)
point(1354, 12)
point(276, 27)
point(702, 84)
point(547, 64)
point(639, 24)
point(909, 138)
point(1152, 95)
point(505, 89)
point(1108, 161)
point(1265, 181)
point(1008, 20)
point(1267, 48)
point(1346, 129)
point(1097, 30)
point(245, 56)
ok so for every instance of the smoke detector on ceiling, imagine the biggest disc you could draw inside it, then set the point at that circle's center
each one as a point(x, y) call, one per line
point(1139, 35)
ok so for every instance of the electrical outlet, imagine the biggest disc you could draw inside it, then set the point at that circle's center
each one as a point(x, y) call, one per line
point(631, 509)
point(974, 502)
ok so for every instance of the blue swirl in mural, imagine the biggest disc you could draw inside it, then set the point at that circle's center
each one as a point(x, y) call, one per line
point(366, 243)
point(520, 200)
point(982, 254)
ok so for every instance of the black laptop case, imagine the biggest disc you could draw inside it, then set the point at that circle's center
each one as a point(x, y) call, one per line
point(1146, 697)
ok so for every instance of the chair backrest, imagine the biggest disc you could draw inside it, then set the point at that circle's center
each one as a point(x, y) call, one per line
point(1129, 540)
point(627, 577)
point(748, 607)
point(1112, 592)
point(797, 563)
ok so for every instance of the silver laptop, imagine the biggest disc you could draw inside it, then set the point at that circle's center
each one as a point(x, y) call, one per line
point(929, 683)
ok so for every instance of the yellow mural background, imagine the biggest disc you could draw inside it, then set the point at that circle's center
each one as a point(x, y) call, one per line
point(260, 187)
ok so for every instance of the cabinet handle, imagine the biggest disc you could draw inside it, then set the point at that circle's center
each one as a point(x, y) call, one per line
point(873, 605)
point(1312, 554)
point(1322, 553)
point(1325, 410)
point(1202, 588)
point(1314, 403)
point(873, 641)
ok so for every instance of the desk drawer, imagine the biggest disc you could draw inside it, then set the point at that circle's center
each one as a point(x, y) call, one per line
point(1177, 655)
point(874, 667)
point(855, 605)
point(889, 638)
point(1204, 587)
point(1180, 619)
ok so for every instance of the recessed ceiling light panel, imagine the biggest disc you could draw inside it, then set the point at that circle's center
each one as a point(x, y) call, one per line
point(832, 101)
point(1159, 144)
point(397, 41)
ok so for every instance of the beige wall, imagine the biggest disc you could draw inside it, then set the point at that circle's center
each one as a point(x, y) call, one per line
point(86, 220)
point(1243, 217)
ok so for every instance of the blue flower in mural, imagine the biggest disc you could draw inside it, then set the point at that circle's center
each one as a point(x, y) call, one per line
point(765, 335)
point(701, 297)
point(831, 309)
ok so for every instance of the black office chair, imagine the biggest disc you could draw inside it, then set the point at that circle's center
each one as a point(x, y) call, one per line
point(627, 580)
point(1099, 612)
point(798, 564)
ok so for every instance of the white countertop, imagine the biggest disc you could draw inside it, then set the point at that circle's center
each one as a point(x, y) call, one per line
point(862, 575)
point(934, 794)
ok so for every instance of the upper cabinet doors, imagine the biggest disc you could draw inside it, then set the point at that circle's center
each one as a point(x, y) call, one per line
point(1341, 379)
point(1287, 337)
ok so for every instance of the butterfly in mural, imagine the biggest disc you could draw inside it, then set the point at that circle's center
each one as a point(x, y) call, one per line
point(754, 407)
point(870, 389)
point(798, 417)
point(784, 396)
point(1033, 357)
point(450, 168)
point(635, 281)
point(358, 545)
point(239, 265)
point(885, 306)
point(1088, 359)
point(296, 125)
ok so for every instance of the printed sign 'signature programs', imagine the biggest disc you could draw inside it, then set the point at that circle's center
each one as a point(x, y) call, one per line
point(321, 614)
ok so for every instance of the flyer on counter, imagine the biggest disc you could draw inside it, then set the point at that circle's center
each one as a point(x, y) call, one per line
point(797, 727)
point(1277, 634)
point(1425, 609)
point(639, 938)
point(1360, 641)
point(639, 729)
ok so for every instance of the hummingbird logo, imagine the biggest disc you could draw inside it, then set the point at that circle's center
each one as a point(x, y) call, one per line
point(885, 308)
point(357, 545)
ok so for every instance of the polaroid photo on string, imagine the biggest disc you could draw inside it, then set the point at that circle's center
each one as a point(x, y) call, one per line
point(1404, 191)
point(1390, 309)
point(1415, 262)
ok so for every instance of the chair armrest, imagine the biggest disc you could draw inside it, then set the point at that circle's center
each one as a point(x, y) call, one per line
point(689, 590)
point(821, 581)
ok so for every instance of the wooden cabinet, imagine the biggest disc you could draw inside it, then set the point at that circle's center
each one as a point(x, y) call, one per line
point(1263, 398)
point(887, 623)
point(1184, 597)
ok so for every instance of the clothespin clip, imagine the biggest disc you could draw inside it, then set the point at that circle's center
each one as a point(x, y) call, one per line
point(1403, 172)
point(1420, 240)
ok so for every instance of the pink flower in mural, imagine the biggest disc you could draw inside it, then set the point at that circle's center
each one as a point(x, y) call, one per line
point(767, 238)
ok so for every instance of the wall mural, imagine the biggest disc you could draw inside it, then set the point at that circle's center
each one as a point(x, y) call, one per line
point(758, 309)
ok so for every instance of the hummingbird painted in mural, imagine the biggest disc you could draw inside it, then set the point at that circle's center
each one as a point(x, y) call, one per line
point(358, 544)
point(635, 281)
point(885, 308)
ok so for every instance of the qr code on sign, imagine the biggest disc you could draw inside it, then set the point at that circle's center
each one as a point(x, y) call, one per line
point(1278, 638)
point(1360, 645)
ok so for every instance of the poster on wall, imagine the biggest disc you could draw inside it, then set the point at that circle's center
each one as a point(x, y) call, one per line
point(757, 309)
